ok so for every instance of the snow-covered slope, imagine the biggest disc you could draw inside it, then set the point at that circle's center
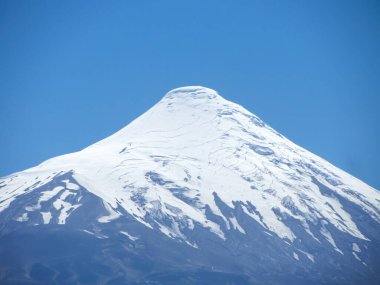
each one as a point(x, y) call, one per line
point(197, 161)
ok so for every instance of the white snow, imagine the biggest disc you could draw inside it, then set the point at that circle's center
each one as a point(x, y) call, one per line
point(355, 247)
point(131, 237)
point(198, 142)
point(65, 208)
point(329, 237)
point(97, 235)
point(47, 195)
point(70, 185)
point(46, 216)
point(236, 226)
point(356, 250)
point(112, 214)
point(356, 256)
point(23, 218)
point(91, 233)
point(308, 255)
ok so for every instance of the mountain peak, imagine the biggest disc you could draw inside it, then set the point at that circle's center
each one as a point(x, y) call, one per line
point(192, 92)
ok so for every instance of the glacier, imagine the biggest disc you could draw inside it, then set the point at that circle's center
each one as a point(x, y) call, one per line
point(197, 188)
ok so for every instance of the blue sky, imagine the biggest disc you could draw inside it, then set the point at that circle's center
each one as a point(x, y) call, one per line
point(74, 72)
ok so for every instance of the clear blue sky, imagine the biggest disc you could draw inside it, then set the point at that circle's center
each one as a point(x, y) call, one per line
point(74, 72)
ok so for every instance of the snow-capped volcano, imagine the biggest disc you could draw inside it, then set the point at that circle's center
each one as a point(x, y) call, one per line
point(200, 173)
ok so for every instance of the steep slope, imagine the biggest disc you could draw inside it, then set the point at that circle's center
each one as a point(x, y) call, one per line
point(199, 173)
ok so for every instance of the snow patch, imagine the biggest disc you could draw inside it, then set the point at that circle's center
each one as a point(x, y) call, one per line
point(355, 247)
point(131, 237)
point(236, 225)
point(65, 208)
point(23, 218)
point(113, 214)
point(46, 217)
